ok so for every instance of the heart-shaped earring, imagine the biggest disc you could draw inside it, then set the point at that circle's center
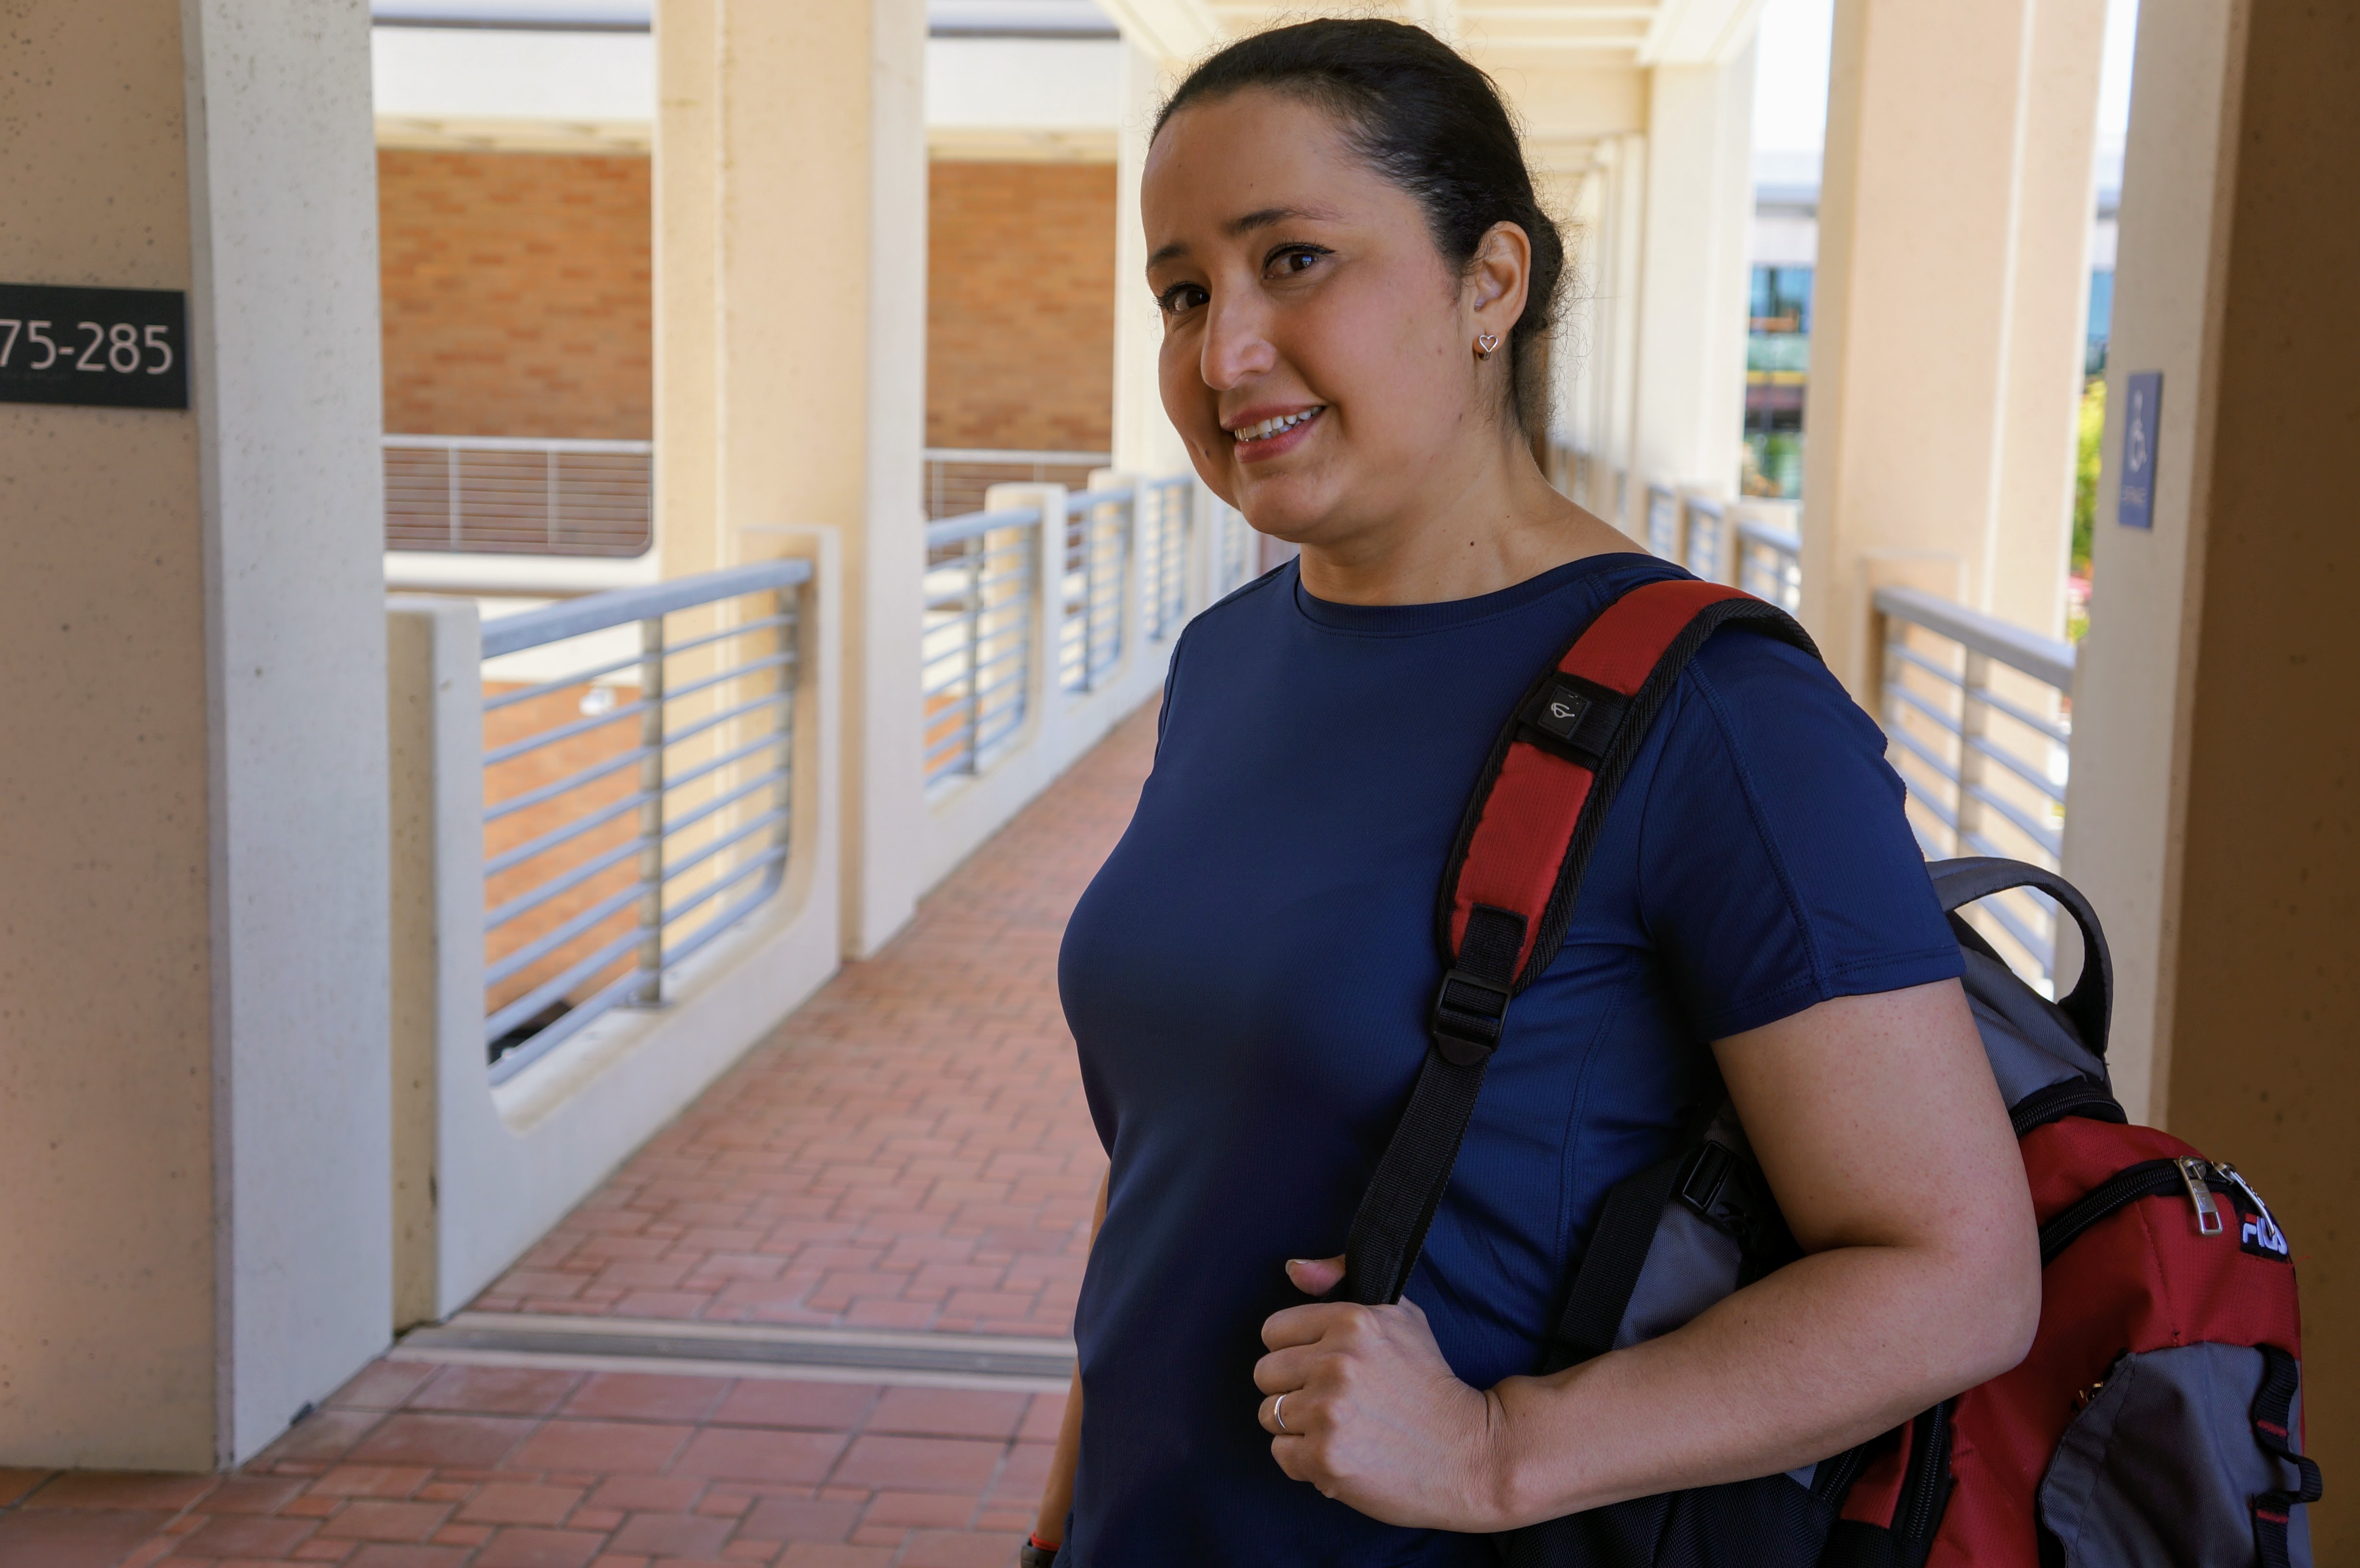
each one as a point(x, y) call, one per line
point(1485, 344)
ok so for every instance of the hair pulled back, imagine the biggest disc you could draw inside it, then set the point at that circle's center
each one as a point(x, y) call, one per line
point(1425, 119)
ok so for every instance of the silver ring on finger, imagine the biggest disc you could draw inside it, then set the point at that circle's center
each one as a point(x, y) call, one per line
point(1278, 1414)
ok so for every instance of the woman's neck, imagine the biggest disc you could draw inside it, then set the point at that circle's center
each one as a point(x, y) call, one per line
point(1497, 528)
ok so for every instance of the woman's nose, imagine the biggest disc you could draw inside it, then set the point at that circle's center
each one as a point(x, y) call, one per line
point(1237, 346)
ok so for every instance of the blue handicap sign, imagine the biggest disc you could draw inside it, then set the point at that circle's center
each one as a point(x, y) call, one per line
point(2143, 394)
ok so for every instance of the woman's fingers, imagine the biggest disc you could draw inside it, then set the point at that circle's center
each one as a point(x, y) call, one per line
point(1314, 1276)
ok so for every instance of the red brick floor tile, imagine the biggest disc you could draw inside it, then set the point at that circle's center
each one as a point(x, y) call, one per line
point(461, 1535)
point(253, 1495)
point(799, 1518)
point(513, 1502)
point(635, 1396)
point(412, 1437)
point(323, 1434)
point(640, 1447)
point(371, 1481)
point(247, 1535)
point(377, 1554)
point(816, 1554)
point(378, 1519)
point(959, 1549)
point(382, 1385)
point(496, 1390)
point(125, 1490)
point(524, 1547)
point(825, 1406)
point(653, 1493)
point(948, 1412)
point(920, 1463)
point(15, 1483)
point(911, 1510)
point(73, 1538)
point(746, 1453)
point(671, 1535)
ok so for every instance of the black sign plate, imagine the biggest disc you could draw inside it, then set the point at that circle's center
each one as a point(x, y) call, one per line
point(120, 348)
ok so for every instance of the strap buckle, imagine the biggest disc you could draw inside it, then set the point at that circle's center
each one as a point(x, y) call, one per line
point(1469, 1013)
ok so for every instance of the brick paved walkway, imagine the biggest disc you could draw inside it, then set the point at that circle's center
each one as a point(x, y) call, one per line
point(910, 1151)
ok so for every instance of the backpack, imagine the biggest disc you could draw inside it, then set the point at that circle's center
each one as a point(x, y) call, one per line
point(2156, 1419)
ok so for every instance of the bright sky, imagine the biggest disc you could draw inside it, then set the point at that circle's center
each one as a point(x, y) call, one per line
point(1791, 87)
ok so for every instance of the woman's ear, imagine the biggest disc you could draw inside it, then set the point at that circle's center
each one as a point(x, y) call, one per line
point(1501, 276)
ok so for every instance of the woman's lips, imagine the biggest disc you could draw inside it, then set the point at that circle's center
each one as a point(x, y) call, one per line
point(1283, 442)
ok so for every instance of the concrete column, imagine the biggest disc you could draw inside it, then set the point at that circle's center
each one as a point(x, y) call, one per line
point(194, 1087)
point(1690, 386)
point(1622, 222)
point(1145, 440)
point(2213, 817)
point(1952, 277)
point(791, 254)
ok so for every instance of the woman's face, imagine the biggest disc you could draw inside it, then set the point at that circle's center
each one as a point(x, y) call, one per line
point(1318, 352)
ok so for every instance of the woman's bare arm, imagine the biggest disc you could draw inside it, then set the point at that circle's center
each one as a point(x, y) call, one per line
point(1880, 1130)
point(1057, 1491)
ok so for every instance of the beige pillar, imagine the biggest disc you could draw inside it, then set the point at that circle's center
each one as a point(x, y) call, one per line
point(194, 1090)
point(1691, 387)
point(1145, 440)
point(1952, 275)
point(2214, 817)
point(791, 211)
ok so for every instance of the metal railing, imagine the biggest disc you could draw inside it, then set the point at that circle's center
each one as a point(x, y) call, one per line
point(1663, 522)
point(976, 643)
point(1099, 529)
point(1164, 527)
point(956, 477)
point(1236, 553)
point(1979, 714)
point(638, 779)
point(1769, 562)
point(504, 496)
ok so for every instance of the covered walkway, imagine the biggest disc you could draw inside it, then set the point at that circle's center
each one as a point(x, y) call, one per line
point(909, 1153)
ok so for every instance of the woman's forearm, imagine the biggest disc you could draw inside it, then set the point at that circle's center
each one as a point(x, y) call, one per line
point(1816, 1357)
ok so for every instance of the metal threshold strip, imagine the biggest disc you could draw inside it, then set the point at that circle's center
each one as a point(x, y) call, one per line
point(742, 1350)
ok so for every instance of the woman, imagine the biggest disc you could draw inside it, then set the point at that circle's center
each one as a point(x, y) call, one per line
point(1355, 280)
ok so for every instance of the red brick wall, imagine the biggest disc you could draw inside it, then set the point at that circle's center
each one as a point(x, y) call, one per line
point(518, 299)
point(518, 294)
point(1020, 314)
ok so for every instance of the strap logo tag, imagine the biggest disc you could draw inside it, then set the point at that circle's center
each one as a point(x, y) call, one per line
point(1562, 712)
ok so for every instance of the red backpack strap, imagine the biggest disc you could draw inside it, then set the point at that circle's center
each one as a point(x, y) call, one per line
point(1509, 887)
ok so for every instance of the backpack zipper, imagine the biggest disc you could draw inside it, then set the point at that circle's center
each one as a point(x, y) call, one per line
point(2148, 1179)
point(2268, 1233)
point(1929, 1466)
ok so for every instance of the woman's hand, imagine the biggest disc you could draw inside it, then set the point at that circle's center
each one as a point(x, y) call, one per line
point(1374, 1417)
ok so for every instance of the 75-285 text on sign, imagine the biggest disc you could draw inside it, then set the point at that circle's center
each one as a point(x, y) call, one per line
point(123, 348)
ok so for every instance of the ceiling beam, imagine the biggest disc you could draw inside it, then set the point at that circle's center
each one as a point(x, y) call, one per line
point(1700, 32)
point(1171, 30)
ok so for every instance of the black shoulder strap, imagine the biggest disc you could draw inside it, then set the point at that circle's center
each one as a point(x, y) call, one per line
point(1509, 888)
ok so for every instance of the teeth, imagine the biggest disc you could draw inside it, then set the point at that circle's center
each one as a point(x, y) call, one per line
point(1269, 428)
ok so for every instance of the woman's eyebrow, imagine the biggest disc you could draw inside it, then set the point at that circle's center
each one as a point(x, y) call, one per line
point(1245, 223)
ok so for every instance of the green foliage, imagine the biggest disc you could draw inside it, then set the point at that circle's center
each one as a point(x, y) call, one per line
point(2085, 473)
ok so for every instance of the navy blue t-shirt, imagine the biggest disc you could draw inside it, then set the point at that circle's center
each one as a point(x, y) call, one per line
point(1249, 975)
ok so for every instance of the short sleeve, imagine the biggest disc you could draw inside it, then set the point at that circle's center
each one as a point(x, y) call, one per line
point(1776, 869)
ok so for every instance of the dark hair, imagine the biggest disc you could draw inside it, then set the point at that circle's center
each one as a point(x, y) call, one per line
point(1431, 123)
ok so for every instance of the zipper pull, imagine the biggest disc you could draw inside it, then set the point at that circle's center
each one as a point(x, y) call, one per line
point(2208, 1213)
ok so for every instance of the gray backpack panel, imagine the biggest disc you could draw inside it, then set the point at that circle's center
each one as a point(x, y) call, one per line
point(2160, 1470)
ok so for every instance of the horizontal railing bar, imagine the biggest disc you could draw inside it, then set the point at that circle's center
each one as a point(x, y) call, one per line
point(770, 661)
point(2046, 837)
point(1786, 541)
point(950, 530)
point(721, 923)
point(1895, 689)
point(516, 443)
point(2043, 952)
point(1910, 655)
point(2044, 658)
point(620, 607)
point(688, 906)
point(1942, 813)
point(589, 774)
point(1013, 457)
point(563, 882)
point(722, 802)
point(776, 737)
point(755, 825)
point(1080, 501)
point(556, 937)
point(2029, 719)
point(591, 1010)
point(773, 699)
point(580, 678)
point(2018, 766)
point(509, 858)
point(517, 748)
point(1925, 754)
point(965, 671)
point(950, 743)
point(674, 650)
point(550, 990)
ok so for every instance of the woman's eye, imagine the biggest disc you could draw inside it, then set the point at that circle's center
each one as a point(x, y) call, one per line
point(1293, 260)
point(1181, 296)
